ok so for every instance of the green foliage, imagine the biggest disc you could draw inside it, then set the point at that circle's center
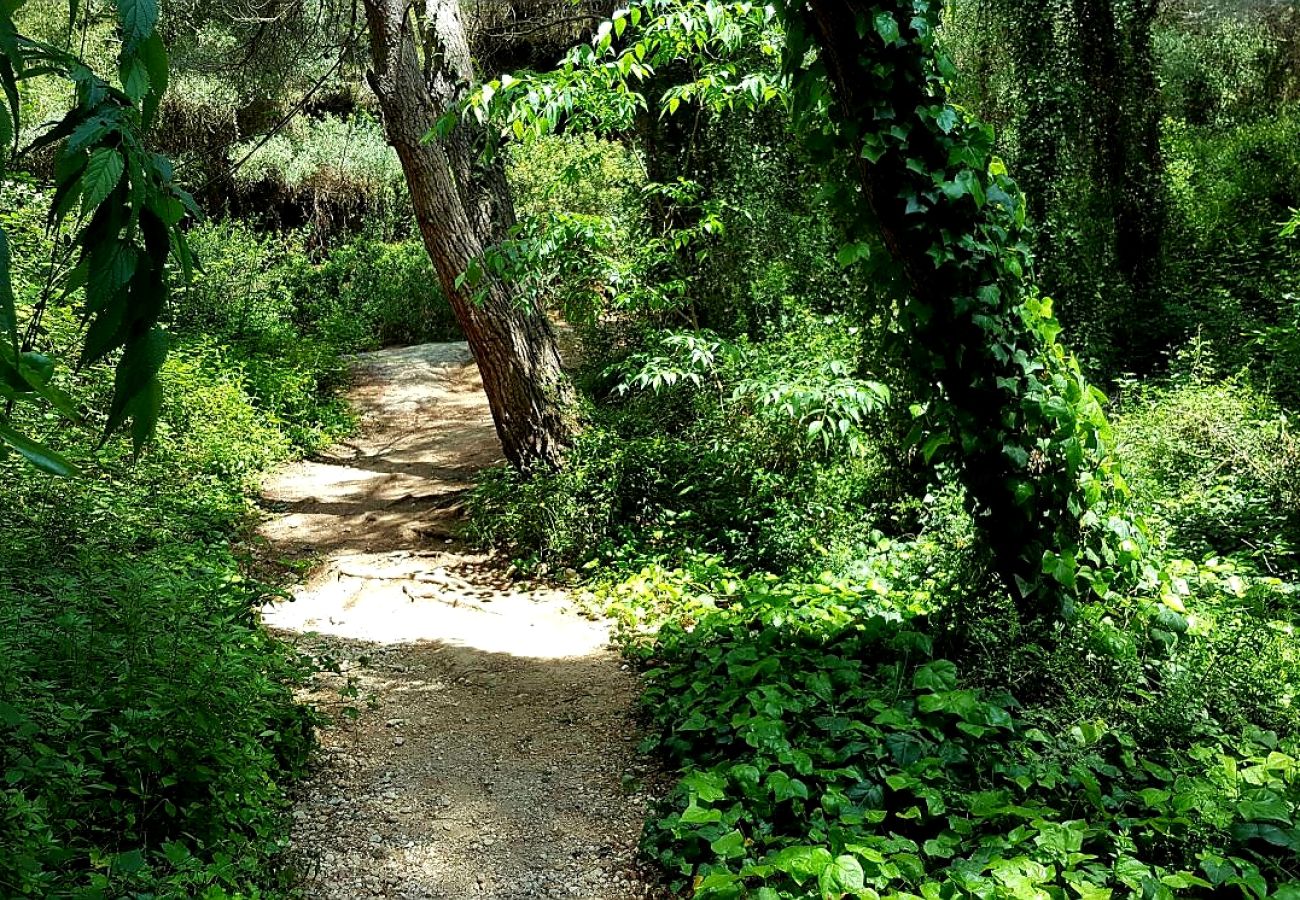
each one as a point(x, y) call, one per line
point(1233, 280)
point(263, 291)
point(724, 456)
point(1221, 68)
point(120, 202)
point(150, 728)
point(1216, 461)
point(830, 749)
point(340, 174)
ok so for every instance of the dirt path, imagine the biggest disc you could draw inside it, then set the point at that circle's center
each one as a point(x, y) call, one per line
point(488, 750)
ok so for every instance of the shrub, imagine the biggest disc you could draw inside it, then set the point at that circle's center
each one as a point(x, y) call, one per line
point(771, 455)
point(1216, 461)
point(370, 294)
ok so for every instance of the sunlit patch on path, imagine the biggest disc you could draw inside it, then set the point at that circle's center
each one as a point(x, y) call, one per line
point(485, 745)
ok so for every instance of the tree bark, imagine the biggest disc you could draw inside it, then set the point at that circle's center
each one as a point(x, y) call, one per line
point(463, 206)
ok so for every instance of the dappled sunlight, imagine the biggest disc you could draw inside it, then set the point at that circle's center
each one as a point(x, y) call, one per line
point(406, 598)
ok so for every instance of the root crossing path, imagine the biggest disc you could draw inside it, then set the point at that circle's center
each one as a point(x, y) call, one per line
point(482, 743)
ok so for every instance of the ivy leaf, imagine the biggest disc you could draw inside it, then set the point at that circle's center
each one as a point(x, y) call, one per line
point(887, 28)
point(843, 876)
point(730, 846)
point(801, 863)
point(103, 172)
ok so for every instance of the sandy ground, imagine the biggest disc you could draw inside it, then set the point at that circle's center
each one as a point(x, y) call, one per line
point(483, 743)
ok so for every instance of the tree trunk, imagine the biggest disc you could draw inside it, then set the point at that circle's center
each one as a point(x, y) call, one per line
point(463, 207)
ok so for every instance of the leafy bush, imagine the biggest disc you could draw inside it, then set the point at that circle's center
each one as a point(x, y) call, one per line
point(148, 729)
point(263, 292)
point(725, 457)
point(1217, 463)
point(369, 294)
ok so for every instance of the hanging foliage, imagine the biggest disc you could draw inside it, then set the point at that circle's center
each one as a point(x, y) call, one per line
point(118, 200)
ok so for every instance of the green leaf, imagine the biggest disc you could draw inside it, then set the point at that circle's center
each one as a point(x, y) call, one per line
point(887, 28)
point(135, 78)
point(138, 18)
point(730, 846)
point(843, 876)
point(102, 175)
point(144, 409)
point(154, 56)
point(143, 358)
point(1265, 806)
point(801, 863)
point(698, 815)
point(36, 453)
point(129, 862)
point(6, 132)
point(940, 675)
point(707, 786)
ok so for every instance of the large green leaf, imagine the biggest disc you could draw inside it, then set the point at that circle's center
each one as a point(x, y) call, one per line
point(843, 876)
point(102, 175)
point(138, 18)
point(139, 365)
point(154, 56)
point(801, 863)
point(36, 453)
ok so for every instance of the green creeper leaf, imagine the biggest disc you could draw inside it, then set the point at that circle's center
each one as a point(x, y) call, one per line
point(705, 785)
point(129, 862)
point(1265, 806)
point(730, 846)
point(843, 876)
point(698, 815)
point(887, 28)
point(801, 863)
point(138, 18)
point(36, 453)
point(102, 175)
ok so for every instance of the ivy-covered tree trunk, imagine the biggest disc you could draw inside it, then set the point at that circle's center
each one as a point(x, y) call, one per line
point(463, 206)
point(1007, 406)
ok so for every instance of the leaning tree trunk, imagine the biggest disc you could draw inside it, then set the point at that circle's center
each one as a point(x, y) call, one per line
point(463, 207)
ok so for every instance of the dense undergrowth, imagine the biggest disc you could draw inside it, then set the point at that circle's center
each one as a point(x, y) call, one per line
point(847, 695)
point(150, 729)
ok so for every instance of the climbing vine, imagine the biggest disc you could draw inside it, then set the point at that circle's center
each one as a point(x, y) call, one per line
point(936, 212)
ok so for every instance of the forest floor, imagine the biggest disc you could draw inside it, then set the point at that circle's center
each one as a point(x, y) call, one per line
point(483, 742)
